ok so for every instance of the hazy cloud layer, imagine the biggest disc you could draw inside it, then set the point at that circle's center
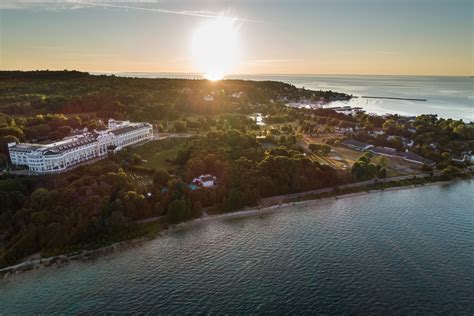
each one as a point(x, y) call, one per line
point(117, 4)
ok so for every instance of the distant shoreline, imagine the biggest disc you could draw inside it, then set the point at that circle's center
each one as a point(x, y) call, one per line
point(60, 260)
point(232, 76)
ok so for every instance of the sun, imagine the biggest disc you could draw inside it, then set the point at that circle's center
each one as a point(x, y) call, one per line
point(215, 47)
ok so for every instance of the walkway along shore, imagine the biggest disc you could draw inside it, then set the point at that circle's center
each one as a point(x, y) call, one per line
point(267, 205)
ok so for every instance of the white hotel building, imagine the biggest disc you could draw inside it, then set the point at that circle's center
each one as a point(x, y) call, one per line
point(73, 150)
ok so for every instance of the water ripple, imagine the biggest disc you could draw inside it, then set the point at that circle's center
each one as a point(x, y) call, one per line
point(399, 252)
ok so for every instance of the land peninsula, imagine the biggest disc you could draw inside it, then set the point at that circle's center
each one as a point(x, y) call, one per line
point(218, 147)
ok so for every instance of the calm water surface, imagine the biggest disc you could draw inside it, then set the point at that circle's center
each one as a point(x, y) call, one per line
point(407, 251)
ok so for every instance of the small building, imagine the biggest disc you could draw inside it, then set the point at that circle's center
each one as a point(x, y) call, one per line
point(344, 130)
point(355, 145)
point(408, 143)
point(208, 98)
point(237, 95)
point(465, 158)
point(205, 180)
point(377, 132)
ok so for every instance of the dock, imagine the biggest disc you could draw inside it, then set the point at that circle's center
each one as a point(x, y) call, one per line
point(393, 98)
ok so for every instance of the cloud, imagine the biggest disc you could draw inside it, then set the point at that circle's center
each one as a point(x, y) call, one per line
point(202, 14)
point(118, 4)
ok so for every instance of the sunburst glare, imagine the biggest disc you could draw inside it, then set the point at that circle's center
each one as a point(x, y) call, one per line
point(215, 47)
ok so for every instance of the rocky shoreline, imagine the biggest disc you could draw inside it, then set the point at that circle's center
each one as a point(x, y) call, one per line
point(61, 260)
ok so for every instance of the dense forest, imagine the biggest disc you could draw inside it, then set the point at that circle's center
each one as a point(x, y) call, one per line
point(96, 204)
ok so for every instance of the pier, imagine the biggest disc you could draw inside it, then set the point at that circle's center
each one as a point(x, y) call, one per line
point(393, 98)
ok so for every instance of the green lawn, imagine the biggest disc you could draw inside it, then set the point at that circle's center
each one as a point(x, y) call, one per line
point(157, 152)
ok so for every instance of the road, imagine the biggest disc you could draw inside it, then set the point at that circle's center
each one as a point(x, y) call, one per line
point(280, 198)
point(159, 136)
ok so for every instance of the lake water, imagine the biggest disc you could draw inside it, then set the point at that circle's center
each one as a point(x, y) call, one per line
point(408, 251)
point(449, 97)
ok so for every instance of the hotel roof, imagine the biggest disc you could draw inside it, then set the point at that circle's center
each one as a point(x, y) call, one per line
point(74, 143)
point(129, 128)
point(123, 130)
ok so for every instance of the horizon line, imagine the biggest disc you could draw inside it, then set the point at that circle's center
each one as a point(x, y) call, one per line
point(242, 74)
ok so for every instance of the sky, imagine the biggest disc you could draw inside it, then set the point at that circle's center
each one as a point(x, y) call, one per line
point(380, 37)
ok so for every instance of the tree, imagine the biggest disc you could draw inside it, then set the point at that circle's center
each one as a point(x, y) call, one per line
point(54, 235)
point(5, 140)
point(74, 122)
point(161, 178)
point(382, 174)
point(324, 150)
point(363, 169)
point(182, 156)
point(64, 131)
point(389, 126)
point(234, 200)
point(194, 167)
point(179, 127)
point(196, 210)
point(178, 212)
point(135, 159)
point(426, 168)
point(55, 136)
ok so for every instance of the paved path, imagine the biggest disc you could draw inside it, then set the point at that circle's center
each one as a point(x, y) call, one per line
point(149, 219)
point(283, 197)
point(160, 136)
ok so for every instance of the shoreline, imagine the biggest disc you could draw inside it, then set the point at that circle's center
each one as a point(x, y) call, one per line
point(63, 259)
point(256, 211)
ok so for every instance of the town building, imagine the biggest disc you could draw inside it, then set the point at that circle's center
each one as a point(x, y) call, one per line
point(356, 145)
point(383, 151)
point(347, 110)
point(406, 156)
point(61, 155)
point(411, 157)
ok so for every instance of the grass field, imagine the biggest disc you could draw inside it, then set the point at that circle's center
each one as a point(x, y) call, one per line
point(157, 153)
